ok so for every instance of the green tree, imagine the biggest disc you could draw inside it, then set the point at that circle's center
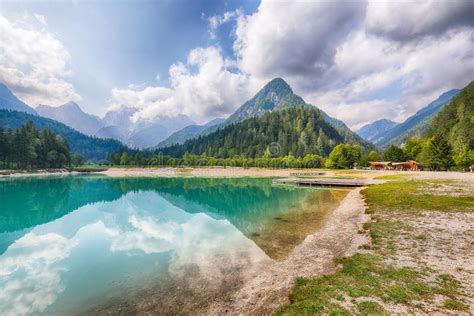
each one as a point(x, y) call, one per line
point(412, 148)
point(344, 156)
point(124, 159)
point(393, 153)
point(464, 158)
point(374, 156)
point(436, 154)
point(312, 161)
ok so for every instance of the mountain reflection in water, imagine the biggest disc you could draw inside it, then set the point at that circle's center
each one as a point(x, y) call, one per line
point(71, 242)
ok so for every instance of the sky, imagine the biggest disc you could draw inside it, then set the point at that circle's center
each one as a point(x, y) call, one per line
point(357, 60)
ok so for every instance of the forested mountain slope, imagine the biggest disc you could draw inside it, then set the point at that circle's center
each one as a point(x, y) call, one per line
point(296, 130)
point(91, 148)
point(456, 121)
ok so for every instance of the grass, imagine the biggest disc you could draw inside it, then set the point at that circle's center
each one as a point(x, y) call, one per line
point(365, 281)
point(392, 177)
point(412, 195)
point(370, 308)
point(361, 276)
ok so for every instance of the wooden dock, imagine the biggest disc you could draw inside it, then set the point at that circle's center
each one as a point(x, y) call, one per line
point(327, 182)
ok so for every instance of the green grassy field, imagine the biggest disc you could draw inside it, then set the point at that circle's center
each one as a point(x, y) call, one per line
point(367, 280)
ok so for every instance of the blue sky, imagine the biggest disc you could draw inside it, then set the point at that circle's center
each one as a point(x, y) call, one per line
point(118, 43)
point(358, 60)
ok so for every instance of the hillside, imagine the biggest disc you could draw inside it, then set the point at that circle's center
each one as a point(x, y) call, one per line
point(8, 101)
point(456, 121)
point(373, 131)
point(91, 148)
point(416, 124)
point(72, 115)
point(191, 131)
point(275, 95)
point(296, 130)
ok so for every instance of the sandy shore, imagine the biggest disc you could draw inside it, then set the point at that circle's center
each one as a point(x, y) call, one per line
point(269, 287)
point(264, 172)
point(247, 172)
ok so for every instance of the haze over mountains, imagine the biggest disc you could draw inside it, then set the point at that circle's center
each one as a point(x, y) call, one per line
point(384, 133)
point(373, 131)
point(72, 115)
point(142, 134)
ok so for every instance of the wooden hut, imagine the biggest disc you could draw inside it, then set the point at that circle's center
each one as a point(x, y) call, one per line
point(409, 165)
point(380, 165)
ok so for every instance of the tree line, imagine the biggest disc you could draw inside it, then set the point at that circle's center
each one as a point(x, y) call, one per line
point(27, 147)
point(432, 153)
point(342, 156)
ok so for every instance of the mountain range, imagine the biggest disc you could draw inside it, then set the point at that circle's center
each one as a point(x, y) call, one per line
point(72, 115)
point(375, 130)
point(384, 133)
point(117, 124)
point(274, 115)
point(275, 95)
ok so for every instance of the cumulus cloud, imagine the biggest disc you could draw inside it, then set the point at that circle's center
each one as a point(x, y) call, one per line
point(404, 78)
point(408, 20)
point(294, 39)
point(359, 61)
point(34, 64)
point(206, 86)
point(217, 20)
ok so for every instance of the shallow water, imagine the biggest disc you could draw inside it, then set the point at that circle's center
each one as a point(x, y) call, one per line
point(72, 245)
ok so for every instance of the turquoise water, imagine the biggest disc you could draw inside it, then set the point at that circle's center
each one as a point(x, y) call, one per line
point(72, 245)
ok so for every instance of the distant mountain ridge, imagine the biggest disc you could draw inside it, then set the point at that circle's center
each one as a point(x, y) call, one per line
point(373, 131)
point(416, 124)
point(8, 101)
point(142, 134)
point(72, 115)
point(116, 124)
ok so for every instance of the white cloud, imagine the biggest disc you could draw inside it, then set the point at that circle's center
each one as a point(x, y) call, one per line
point(217, 20)
point(416, 72)
point(294, 39)
point(34, 64)
point(407, 20)
point(206, 86)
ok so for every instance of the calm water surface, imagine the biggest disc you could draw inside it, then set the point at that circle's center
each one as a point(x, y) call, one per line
point(72, 245)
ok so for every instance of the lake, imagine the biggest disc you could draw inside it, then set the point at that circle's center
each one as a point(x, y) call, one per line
point(87, 244)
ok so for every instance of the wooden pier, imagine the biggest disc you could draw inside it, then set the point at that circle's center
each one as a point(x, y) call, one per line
point(327, 182)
